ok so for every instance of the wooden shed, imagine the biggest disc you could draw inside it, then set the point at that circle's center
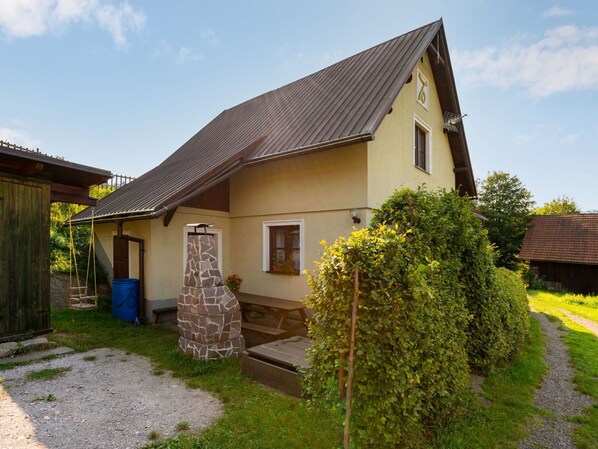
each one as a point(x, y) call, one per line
point(29, 182)
point(563, 251)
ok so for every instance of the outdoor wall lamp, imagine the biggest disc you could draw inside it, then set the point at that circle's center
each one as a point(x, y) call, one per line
point(355, 216)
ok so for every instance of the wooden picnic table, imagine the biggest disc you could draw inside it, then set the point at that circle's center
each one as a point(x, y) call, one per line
point(281, 309)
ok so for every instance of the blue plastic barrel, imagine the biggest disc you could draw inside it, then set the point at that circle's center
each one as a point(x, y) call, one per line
point(125, 294)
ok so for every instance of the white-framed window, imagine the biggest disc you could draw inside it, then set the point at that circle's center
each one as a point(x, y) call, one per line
point(422, 145)
point(423, 90)
point(283, 243)
point(217, 233)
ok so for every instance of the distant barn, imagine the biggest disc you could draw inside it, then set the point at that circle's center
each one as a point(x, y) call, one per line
point(29, 182)
point(563, 249)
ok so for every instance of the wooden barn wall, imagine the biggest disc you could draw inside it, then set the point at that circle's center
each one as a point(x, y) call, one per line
point(24, 256)
point(575, 278)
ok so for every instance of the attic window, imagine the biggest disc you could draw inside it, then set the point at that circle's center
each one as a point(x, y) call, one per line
point(422, 146)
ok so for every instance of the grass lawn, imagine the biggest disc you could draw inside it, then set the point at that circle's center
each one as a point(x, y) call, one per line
point(584, 306)
point(256, 417)
point(583, 347)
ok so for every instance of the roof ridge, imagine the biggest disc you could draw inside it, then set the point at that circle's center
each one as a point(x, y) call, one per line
point(328, 67)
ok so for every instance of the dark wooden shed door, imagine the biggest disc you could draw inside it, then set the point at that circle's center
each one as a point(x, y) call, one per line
point(24, 257)
point(120, 258)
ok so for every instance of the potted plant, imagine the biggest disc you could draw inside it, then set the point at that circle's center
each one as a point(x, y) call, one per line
point(233, 282)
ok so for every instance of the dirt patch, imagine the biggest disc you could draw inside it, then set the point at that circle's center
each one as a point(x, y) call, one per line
point(108, 399)
point(590, 325)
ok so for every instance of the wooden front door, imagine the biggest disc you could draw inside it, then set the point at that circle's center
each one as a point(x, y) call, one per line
point(120, 258)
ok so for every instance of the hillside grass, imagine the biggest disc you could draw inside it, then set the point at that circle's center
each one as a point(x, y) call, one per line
point(583, 348)
point(257, 417)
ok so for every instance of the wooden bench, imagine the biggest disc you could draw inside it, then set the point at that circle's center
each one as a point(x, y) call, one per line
point(161, 310)
point(281, 309)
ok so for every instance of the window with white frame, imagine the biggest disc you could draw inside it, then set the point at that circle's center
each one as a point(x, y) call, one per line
point(422, 145)
point(283, 244)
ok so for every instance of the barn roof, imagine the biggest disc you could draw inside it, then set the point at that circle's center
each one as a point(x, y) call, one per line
point(341, 104)
point(562, 238)
point(70, 181)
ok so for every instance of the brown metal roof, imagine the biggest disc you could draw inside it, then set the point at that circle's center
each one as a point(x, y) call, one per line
point(343, 103)
point(562, 238)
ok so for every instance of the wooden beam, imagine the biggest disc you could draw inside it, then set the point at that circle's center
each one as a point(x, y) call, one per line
point(60, 197)
point(64, 188)
point(435, 55)
point(31, 168)
point(460, 169)
point(169, 216)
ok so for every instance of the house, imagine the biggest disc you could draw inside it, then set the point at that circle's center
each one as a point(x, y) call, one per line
point(29, 182)
point(277, 174)
point(562, 250)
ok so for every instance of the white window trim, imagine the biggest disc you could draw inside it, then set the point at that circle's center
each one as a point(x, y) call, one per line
point(216, 232)
point(423, 125)
point(266, 225)
point(425, 105)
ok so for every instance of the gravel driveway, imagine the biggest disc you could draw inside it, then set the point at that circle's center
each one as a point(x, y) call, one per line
point(556, 395)
point(112, 401)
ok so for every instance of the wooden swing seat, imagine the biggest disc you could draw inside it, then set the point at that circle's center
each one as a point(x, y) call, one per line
point(79, 299)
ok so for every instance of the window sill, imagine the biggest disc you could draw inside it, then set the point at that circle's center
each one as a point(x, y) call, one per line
point(282, 273)
point(423, 170)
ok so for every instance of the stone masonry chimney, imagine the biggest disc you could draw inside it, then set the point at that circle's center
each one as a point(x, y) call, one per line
point(209, 315)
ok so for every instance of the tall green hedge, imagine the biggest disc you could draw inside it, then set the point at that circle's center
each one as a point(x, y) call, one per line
point(411, 362)
point(432, 306)
point(443, 223)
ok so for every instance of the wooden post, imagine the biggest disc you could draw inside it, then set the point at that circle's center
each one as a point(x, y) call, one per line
point(341, 376)
point(351, 360)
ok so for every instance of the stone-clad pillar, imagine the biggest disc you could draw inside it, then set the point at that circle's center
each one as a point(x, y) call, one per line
point(209, 315)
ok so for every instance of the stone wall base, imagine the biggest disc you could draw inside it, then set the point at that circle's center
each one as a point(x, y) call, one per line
point(229, 348)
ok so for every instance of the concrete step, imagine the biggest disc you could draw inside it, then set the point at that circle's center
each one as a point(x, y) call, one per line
point(25, 346)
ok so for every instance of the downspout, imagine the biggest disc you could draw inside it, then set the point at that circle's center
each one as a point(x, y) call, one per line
point(140, 242)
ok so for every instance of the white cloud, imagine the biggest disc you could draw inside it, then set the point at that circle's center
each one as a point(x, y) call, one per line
point(570, 139)
point(179, 57)
point(186, 54)
point(28, 18)
point(210, 36)
point(18, 137)
point(557, 11)
point(565, 59)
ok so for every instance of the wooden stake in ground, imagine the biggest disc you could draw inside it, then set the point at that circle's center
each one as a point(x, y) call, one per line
point(351, 360)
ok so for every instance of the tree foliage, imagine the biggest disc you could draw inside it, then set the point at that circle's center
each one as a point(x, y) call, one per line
point(559, 206)
point(507, 204)
point(60, 236)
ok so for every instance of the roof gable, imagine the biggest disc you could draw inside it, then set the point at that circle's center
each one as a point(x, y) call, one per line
point(340, 104)
point(562, 238)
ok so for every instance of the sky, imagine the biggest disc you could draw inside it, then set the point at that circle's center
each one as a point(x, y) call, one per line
point(120, 85)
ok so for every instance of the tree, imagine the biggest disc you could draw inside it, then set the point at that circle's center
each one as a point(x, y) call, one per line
point(559, 206)
point(507, 204)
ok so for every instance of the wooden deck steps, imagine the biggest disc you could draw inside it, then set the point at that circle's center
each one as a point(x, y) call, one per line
point(275, 364)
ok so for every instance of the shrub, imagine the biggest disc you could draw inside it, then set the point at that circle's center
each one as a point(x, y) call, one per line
point(504, 318)
point(411, 362)
point(442, 224)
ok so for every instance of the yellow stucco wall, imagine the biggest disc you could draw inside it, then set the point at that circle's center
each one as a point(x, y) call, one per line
point(319, 188)
point(390, 156)
point(326, 180)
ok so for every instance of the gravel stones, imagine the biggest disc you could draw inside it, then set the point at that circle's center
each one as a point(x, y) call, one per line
point(557, 394)
point(113, 401)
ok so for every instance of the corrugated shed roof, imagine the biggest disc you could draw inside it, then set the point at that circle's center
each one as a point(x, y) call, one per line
point(342, 103)
point(562, 238)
